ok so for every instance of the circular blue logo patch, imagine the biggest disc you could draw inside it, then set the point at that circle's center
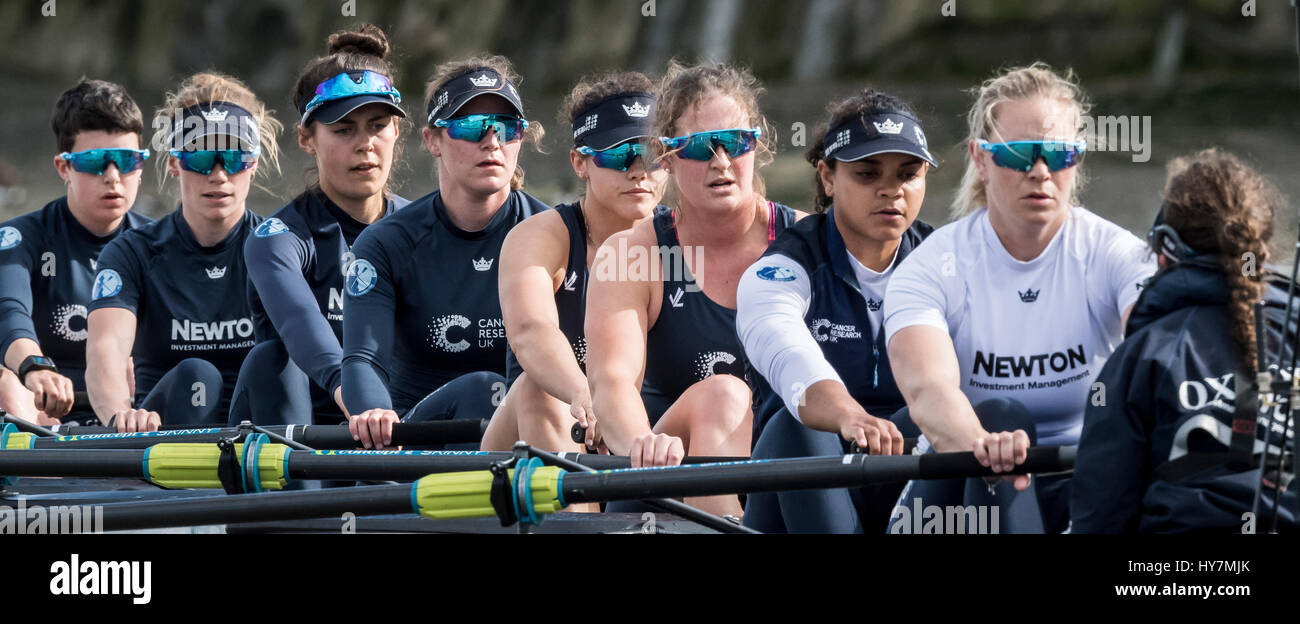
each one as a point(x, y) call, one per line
point(10, 237)
point(361, 278)
point(776, 274)
point(107, 284)
point(270, 227)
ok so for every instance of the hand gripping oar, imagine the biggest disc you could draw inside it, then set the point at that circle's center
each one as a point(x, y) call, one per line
point(538, 490)
point(314, 436)
point(578, 434)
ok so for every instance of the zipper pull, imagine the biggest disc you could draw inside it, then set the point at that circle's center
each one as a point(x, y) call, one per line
point(875, 368)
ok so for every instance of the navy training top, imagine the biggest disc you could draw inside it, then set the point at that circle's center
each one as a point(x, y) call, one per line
point(298, 256)
point(189, 301)
point(419, 277)
point(47, 265)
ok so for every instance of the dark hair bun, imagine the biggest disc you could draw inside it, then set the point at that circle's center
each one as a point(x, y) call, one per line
point(369, 40)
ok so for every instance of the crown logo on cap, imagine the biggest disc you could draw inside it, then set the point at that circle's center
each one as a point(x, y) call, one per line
point(215, 115)
point(888, 127)
point(636, 110)
point(1029, 295)
point(483, 81)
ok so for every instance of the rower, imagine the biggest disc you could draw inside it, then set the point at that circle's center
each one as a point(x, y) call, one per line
point(48, 257)
point(829, 388)
point(999, 323)
point(545, 260)
point(423, 338)
point(351, 123)
point(665, 366)
point(174, 293)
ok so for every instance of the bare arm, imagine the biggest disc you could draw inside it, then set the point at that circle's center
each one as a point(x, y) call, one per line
point(618, 318)
point(926, 369)
point(110, 336)
point(531, 256)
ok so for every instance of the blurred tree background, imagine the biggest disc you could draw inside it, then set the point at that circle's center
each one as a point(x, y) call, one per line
point(1207, 72)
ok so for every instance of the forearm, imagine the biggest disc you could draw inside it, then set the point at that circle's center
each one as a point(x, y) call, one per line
point(622, 414)
point(365, 387)
point(546, 355)
point(19, 350)
point(826, 404)
point(945, 416)
point(106, 382)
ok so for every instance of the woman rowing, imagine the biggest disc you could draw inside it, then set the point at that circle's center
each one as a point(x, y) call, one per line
point(351, 123)
point(48, 257)
point(423, 338)
point(545, 260)
point(822, 390)
point(665, 367)
point(175, 292)
point(998, 323)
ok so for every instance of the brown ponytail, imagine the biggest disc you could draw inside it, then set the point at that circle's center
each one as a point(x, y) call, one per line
point(1221, 206)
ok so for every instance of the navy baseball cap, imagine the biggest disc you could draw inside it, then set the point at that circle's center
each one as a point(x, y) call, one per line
point(460, 90)
point(200, 121)
point(613, 120)
point(867, 135)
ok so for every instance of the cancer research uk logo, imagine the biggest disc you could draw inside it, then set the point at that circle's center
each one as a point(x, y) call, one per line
point(361, 277)
point(10, 237)
point(450, 333)
point(107, 284)
point(776, 274)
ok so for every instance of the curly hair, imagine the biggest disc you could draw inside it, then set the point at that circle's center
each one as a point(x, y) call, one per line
point(1219, 205)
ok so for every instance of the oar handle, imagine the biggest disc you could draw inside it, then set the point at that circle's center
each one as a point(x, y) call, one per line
point(908, 445)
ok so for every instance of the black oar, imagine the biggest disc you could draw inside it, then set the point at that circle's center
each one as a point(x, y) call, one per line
point(467, 494)
point(314, 436)
point(160, 466)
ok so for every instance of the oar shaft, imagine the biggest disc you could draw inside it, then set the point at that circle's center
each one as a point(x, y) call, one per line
point(332, 465)
point(265, 507)
point(794, 474)
point(315, 436)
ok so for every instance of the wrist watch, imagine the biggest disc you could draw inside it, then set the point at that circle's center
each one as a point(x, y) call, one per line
point(32, 363)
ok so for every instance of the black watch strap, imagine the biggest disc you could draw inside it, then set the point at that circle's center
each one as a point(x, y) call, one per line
point(34, 363)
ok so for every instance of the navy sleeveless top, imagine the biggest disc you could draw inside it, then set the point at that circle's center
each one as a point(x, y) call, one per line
point(571, 298)
point(693, 338)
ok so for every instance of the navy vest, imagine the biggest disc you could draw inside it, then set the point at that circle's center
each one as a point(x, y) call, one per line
point(862, 363)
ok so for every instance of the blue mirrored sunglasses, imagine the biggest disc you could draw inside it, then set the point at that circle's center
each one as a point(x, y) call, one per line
point(1021, 155)
point(204, 161)
point(620, 157)
point(345, 85)
point(701, 145)
point(473, 128)
point(96, 160)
